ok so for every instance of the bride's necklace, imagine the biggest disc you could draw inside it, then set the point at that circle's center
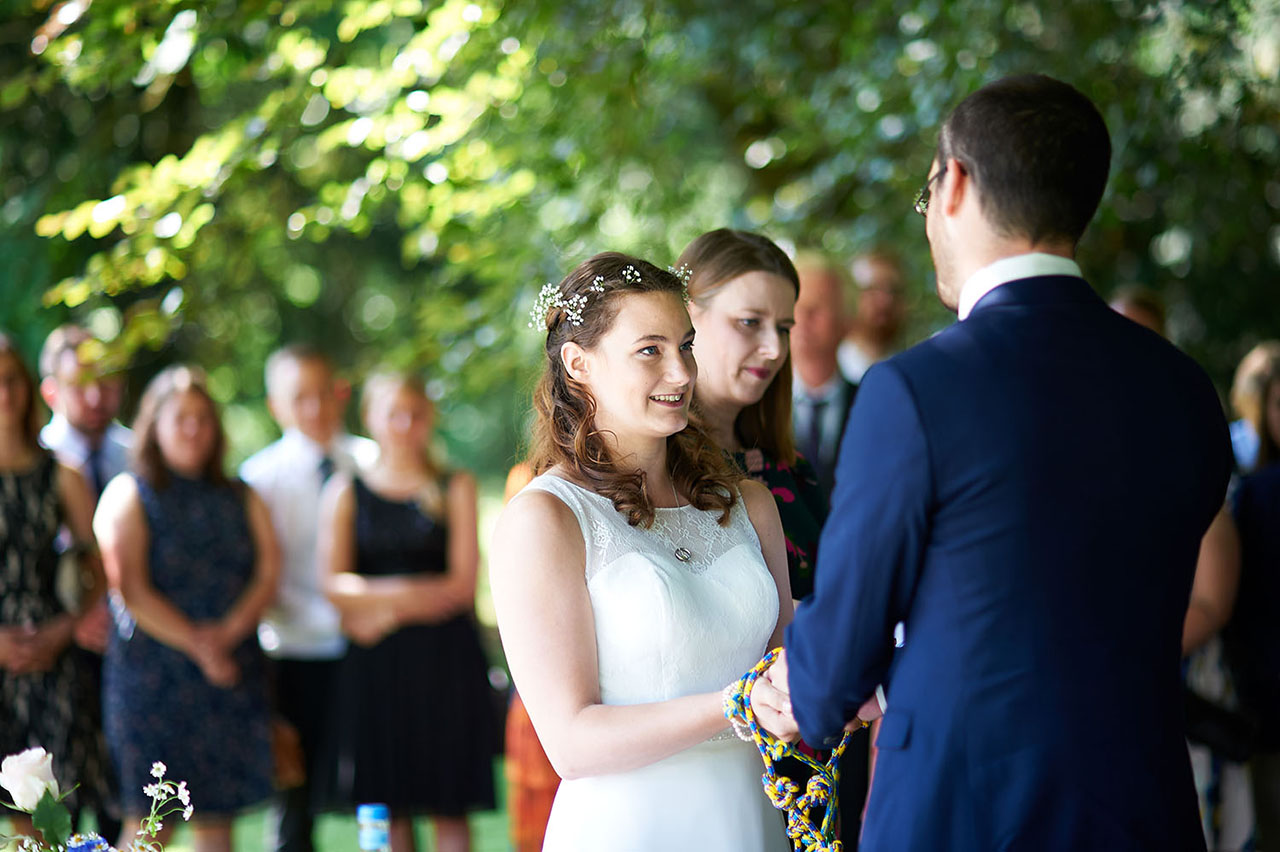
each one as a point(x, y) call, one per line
point(682, 553)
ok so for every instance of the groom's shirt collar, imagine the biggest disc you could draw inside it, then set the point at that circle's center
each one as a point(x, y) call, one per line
point(1014, 268)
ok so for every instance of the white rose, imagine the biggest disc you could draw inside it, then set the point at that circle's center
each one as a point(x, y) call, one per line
point(26, 776)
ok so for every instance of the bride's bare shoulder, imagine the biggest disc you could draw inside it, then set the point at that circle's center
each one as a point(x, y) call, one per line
point(537, 520)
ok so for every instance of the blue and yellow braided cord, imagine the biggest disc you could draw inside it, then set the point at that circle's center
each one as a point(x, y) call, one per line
point(822, 788)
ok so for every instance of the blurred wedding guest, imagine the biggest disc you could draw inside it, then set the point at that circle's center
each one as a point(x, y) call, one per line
point(196, 564)
point(300, 632)
point(85, 402)
point(743, 293)
point(1254, 633)
point(531, 779)
point(821, 396)
point(1246, 402)
point(1212, 697)
point(42, 687)
point(1142, 305)
point(84, 433)
point(413, 720)
point(876, 329)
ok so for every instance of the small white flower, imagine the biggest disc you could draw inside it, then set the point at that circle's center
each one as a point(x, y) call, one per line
point(550, 298)
point(187, 812)
point(158, 769)
point(151, 791)
point(27, 776)
point(683, 272)
point(183, 795)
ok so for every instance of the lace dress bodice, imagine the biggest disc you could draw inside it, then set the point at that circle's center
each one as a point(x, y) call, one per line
point(666, 628)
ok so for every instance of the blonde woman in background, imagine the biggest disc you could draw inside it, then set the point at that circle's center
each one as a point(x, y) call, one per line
point(413, 724)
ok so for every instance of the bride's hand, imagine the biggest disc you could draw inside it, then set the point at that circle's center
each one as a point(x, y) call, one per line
point(771, 702)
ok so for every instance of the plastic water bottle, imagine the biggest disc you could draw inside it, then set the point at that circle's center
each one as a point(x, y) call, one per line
point(374, 824)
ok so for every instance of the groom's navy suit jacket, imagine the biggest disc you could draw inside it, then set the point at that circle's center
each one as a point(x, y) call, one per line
point(1027, 491)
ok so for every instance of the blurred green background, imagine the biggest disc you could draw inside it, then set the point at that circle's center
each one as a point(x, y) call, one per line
point(338, 833)
point(395, 179)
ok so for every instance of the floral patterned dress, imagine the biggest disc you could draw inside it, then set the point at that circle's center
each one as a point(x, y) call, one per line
point(44, 709)
point(157, 703)
point(802, 506)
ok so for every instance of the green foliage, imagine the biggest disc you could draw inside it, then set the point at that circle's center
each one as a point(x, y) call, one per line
point(396, 179)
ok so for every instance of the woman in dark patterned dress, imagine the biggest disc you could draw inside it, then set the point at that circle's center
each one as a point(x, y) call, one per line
point(40, 682)
point(413, 723)
point(195, 561)
point(743, 292)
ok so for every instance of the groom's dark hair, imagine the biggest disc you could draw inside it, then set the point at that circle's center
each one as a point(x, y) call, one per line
point(1037, 149)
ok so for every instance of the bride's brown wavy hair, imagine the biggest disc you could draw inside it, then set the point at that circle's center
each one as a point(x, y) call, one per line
point(564, 431)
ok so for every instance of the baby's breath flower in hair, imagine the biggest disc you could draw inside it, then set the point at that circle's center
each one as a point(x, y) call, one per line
point(684, 273)
point(550, 298)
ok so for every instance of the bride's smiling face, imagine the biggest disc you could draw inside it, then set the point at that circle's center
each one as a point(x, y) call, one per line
point(641, 371)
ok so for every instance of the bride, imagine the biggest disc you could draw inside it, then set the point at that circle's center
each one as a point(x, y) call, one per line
point(636, 578)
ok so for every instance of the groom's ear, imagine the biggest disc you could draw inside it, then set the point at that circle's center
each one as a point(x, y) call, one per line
point(575, 361)
point(958, 184)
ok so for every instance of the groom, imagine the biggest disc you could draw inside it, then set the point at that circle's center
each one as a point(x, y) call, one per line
point(1026, 491)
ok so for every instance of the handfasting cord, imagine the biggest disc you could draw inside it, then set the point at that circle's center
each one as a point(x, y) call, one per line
point(823, 787)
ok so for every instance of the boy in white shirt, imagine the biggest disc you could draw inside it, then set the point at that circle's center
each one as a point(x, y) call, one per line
point(301, 631)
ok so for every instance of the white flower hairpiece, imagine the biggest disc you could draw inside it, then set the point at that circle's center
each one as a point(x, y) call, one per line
point(550, 297)
point(684, 273)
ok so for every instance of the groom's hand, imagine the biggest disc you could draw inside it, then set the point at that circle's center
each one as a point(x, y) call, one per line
point(771, 702)
point(868, 712)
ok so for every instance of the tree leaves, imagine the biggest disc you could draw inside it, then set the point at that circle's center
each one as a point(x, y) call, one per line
point(396, 180)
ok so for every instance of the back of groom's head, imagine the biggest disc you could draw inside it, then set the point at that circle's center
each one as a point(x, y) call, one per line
point(1038, 151)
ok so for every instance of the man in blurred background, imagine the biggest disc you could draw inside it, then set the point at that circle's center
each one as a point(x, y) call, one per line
point(874, 333)
point(85, 435)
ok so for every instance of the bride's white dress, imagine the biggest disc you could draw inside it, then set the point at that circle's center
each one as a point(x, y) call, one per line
point(666, 628)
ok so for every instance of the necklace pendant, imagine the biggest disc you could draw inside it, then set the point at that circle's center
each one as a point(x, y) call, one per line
point(683, 554)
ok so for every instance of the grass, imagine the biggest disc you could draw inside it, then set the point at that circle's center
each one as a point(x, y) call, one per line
point(337, 833)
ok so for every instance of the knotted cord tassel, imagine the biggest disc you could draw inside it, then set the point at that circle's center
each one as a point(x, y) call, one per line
point(822, 788)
